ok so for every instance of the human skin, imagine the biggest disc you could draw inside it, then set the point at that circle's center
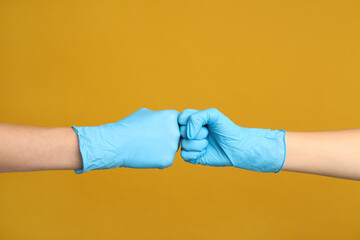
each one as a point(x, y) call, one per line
point(25, 148)
point(329, 153)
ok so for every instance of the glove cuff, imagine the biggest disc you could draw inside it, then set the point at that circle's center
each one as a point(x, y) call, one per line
point(264, 150)
point(284, 151)
point(85, 149)
point(92, 145)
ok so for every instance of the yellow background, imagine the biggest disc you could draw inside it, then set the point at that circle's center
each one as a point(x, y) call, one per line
point(293, 65)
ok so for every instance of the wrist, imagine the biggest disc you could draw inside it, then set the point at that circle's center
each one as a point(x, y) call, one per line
point(268, 150)
point(63, 149)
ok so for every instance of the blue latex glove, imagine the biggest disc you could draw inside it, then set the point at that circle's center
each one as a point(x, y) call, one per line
point(144, 139)
point(226, 144)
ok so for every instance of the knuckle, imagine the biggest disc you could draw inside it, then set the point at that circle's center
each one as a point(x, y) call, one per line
point(214, 110)
point(174, 113)
point(176, 134)
point(179, 118)
point(169, 162)
point(185, 144)
point(182, 130)
point(183, 154)
point(176, 144)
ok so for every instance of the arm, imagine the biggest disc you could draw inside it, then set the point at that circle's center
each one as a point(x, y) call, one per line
point(144, 139)
point(24, 148)
point(329, 153)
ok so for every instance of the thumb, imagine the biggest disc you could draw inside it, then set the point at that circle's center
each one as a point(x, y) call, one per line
point(199, 119)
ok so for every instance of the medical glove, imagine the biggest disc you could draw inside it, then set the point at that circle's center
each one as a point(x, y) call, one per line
point(144, 139)
point(210, 138)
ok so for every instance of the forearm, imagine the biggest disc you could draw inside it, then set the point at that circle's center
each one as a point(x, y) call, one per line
point(24, 148)
point(329, 153)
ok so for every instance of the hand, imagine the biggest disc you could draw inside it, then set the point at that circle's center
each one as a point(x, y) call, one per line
point(144, 139)
point(226, 144)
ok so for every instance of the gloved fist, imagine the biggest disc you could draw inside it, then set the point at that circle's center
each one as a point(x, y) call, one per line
point(210, 138)
point(144, 139)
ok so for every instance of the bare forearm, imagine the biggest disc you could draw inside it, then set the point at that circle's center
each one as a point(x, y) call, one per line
point(329, 153)
point(24, 148)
